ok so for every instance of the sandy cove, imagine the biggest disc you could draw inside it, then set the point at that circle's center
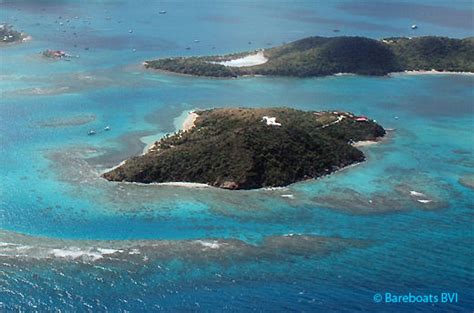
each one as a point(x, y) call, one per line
point(189, 121)
point(248, 60)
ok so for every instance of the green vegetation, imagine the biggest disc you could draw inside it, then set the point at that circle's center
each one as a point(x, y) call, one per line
point(9, 35)
point(237, 149)
point(438, 53)
point(319, 56)
point(191, 66)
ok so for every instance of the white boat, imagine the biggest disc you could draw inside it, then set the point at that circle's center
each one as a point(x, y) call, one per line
point(162, 12)
point(91, 132)
point(106, 128)
point(414, 26)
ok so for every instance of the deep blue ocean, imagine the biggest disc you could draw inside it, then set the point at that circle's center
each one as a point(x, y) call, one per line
point(73, 242)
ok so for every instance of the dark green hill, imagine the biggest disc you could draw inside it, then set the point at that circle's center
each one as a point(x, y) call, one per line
point(319, 56)
point(438, 53)
point(237, 149)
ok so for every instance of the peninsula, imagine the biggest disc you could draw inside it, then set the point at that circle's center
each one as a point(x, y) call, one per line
point(9, 35)
point(241, 148)
point(320, 56)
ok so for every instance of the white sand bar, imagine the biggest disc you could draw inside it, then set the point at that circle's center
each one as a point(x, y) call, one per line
point(189, 121)
point(364, 143)
point(249, 60)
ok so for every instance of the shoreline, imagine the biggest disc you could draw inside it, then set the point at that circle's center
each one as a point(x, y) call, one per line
point(364, 143)
point(432, 72)
point(188, 123)
point(166, 72)
point(390, 75)
point(368, 143)
point(172, 184)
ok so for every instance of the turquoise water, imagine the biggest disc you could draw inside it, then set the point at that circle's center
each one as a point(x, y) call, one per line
point(329, 247)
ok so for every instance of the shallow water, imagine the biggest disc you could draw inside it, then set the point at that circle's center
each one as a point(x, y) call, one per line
point(357, 232)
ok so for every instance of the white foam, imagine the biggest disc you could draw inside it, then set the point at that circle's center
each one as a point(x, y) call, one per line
point(75, 253)
point(344, 74)
point(417, 194)
point(432, 72)
point(275, 188)
point(288, 196)
point(209, 244)
point(108, 251)
point(424, 201)
point(6, 244)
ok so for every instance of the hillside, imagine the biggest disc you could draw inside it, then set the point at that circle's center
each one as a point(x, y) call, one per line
point(438, 53)
point(320, 56)
point(242, 149)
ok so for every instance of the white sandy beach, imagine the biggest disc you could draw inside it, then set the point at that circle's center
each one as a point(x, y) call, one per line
point(364, 143)
point(249, 60)
point(189, 121)
point(102, 172)
point(187, 124)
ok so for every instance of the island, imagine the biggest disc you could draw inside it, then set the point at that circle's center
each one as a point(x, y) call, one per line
point(9, 35)
point(321, 56)
point(56, 54)
point(248, 148)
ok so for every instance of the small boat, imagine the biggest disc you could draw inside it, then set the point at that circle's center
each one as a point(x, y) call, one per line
point(336, 30)
point(162, 12)
point(188, 48)
point(196, 41)
point(91, 132)
point(130, 31)
point(107, 128)
point(414, 26)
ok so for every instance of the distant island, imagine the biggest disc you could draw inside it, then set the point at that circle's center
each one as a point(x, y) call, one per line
point(241, 148)
point(9, 35)
point(320, 56)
